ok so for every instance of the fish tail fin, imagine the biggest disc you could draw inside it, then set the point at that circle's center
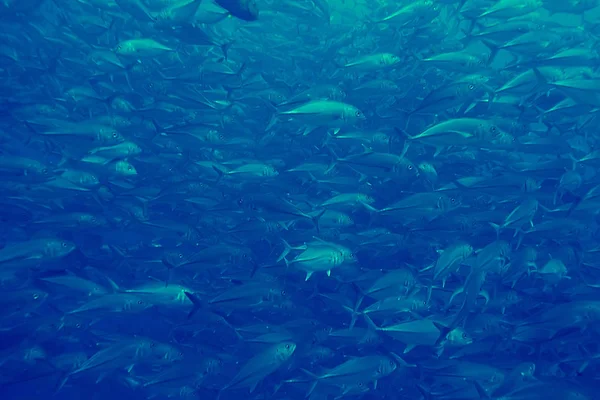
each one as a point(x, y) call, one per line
point(494, 49)
point(287, 249)
point(255, 267)
point(426, 393)
point(334, 160)
point(354, 312)
point(370, 324)
point(158, 129)
point(460, 316)
point(62, 381)
point(113, 285)
point(220, 173)
point(405, 148)
point(542, 81)
point(497, 228)
point(242, 69)
point(439, 344)
point(196, 304)
point(483, 394)
point(273, 121)
point(402, 362)
point(370, 208)
point(313, 385)
point(402, 132)
point(225, 49)
point(315, 219)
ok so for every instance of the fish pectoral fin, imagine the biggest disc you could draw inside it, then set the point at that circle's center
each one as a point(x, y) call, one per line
point(409, 348)
point(485, 295)
point(253, 386)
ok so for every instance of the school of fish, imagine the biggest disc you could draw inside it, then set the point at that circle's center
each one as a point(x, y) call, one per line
point(299, 199)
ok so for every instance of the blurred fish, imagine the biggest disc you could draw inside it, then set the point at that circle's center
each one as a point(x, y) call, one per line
point(223, 199)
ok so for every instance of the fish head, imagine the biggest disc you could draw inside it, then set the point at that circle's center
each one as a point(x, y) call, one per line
point(337, 94)
point(407, 169)
point(252, 8)
point(355, 389)
point(110, 136)
point(38, 296)
point(354, 114)
point(58, 248)
point(344, 220)
point(365, 198)
point(278, 294)
point(243, 256)
point(72, 324)
point(285, 350)
point(269, 171)
point(99, 220)
point(124, 168)
point(448, 203)
point(525, 371)
point(161, 352)
point(386, 367)
point(276, 98)
point(133, 149)
point(389, 60)
point(420, 304)
point(459, 337)
point(124, 48)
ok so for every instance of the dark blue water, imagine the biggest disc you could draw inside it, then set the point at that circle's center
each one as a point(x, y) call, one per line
point(320, 199)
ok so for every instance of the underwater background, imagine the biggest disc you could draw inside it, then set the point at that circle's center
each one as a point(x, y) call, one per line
point(299, 199)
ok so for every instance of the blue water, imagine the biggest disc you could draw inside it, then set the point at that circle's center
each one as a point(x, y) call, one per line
point(321, 199)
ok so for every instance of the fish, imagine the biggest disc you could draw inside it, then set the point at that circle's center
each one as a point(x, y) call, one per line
point(291, 199)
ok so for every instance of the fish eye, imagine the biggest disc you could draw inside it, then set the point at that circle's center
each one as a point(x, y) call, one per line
point(140, 302)
point(152, 345)
point(410, 166)
point(36, 296)
point(64, 244)
point(452, 200)
point(115, 134)
point(44, 170)
point(464, 335)
point(360, 384)
point(77, 326)
point(240, 201)
point(283, 292)
point(287, 346)
point(358, 113)
point(129, 168)
point(471, 87)
point(493, 129)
